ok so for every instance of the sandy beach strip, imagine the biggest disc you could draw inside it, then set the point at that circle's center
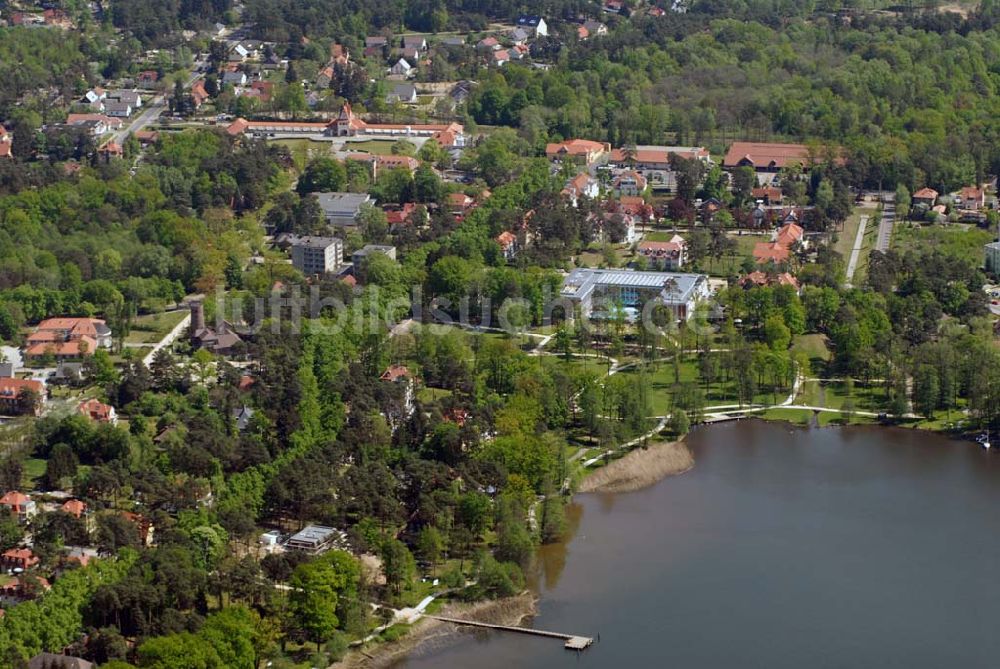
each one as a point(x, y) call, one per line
point(640, 468)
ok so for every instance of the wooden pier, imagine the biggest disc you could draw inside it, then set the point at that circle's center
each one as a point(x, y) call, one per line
point(572, 642)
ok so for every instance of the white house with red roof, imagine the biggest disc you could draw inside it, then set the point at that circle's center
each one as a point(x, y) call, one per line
point(629, 182)
point(925, 196)
point(12, 395)
point(19, 505)
point(581, 186)
point(971, 198)
point(18, 559)
point(74, 507)
point(499, 58)
point(508, 244)
point(670, 255)
point(6, 143)
point(401, 374)
point(97, 411)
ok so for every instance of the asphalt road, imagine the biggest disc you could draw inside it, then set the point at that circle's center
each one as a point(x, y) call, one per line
point(859, 241)
point(885, 226)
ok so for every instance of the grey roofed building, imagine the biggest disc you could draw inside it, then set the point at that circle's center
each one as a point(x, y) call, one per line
point(235, 78)
point(454, 41)
point(316, 255)
point(242, 417)
point(342, 209)
point(118, 108)
point(312, 538)
point(414, 42)
point(358, 256)
point(400, 92)
point(131, 97)
point(54, 661)
point(6, 370)
point(462, 90)
point(681, 292)
point(69, 372)
point(519, 35)
point(401, 67)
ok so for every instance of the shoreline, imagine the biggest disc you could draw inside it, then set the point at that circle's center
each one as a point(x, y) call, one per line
point(639, 468)
point(428, 635)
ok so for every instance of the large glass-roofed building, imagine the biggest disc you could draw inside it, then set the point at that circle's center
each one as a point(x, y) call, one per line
point(596, 290)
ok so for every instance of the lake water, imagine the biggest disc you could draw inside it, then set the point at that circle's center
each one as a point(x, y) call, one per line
point(783, 547)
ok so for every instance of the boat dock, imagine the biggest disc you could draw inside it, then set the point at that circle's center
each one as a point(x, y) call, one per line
point(572, 642)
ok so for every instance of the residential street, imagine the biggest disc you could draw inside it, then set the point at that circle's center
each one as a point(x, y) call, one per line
point(152, 109)
point(885, 225)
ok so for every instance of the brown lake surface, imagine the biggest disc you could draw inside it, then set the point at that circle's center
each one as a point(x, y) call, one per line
point(783, 547)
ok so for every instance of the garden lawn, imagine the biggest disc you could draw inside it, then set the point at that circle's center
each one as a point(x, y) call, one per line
point(151, 328)
point(813, 345)
point(955, 240)
point(375, 146)
point(303, 150)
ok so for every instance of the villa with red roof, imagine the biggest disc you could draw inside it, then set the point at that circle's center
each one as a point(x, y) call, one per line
point(764, 252)
point(401, 374)
point(670, 255)
point(769, 195)
point(786, 238)
point(789, 235)
point(98, 411)
point(580, 186)
point(459, 203)
point(67, 338)
point(508, 244)
point(18, 558)
point(199, 95)
point(19, 505)
point(12, 395)
point(583, 150)
point(972, 198)
point(6, 143)
point(759, 278)
point(629, 182)
point(74, 507)
point(925, 196)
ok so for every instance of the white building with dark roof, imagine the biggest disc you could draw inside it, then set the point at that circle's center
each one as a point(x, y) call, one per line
point(533, 25)
point(342, 209)
point(316, 255)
